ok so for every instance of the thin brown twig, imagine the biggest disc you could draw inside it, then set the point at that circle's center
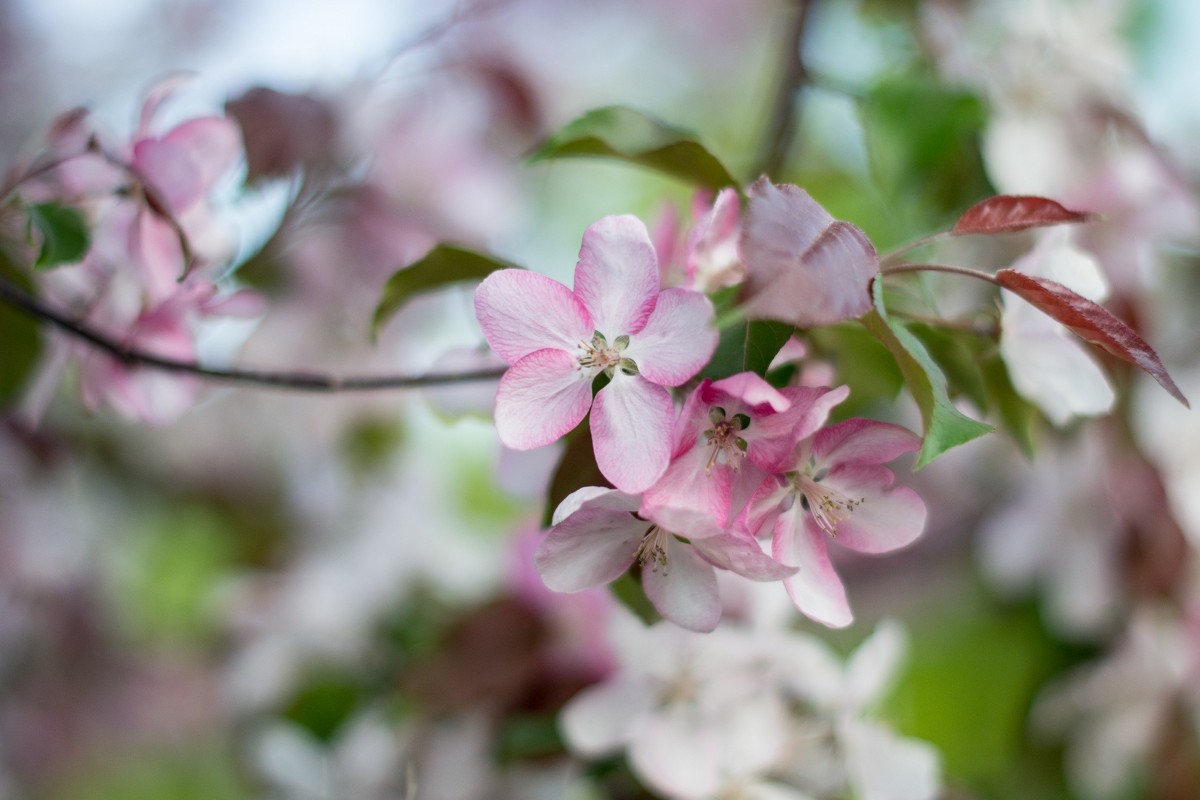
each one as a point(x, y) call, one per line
point(947, 268)
point(785, 118)
point(278, 379)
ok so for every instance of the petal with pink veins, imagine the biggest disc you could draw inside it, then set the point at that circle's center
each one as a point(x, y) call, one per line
point(631, 431)
point(590, 548)
point(617, 277)
point(685, 590)
point(594, 497)
point(816, 588)
point(689, 501)
point(541, 398)
point(887, 518)
point(677, 340)
point(522, 312)
point(742, 554)
point(863, 441)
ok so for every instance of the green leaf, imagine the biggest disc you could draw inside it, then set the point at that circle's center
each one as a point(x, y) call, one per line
point(628, 135)
point(63, 232)
point(21, 339)
point(922, 138)
point(958, 353)
point(945, 426)
point(1017, 415)
point(441, 266)
point(862, 363)
point(748, 346)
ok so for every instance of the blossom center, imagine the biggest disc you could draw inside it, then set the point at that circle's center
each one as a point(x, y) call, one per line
point(828, 506)
point(723, 438)
point(653, 549)
point(598, 356)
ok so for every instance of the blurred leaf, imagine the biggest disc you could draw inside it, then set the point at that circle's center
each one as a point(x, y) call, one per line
point(923, 142)
point(944, 425)
point(1091, 322)
point(20, 337)
point(748, 346)
point(441, 266)
point(323, 703)
point(528, 736)
point(1016, 414)
point(576, 469)
point(63, 231)
point(370, 444)
point(1010, 213)
point(628, 590)
point(628, 135)
point(196, 771)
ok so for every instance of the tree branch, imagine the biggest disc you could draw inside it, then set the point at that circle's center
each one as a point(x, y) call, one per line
point(277, 379)
point(781, 128)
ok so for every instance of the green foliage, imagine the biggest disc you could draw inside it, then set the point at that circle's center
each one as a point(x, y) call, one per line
point(748, 346)
point(441, 266)
point(176, 558)
point(20, 339)
point(1017, 416)
point(323, 703)
point(923, 143)
point(944, 425)
point(528, 736)
point(202, 771)
point(370, 444)
point(63, 233)
point(862, 363)
point(632, 136)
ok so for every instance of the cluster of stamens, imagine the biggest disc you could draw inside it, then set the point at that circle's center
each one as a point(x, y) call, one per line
point(653, 549)
point(599, 356)
point(723, 438)
point(827, 506)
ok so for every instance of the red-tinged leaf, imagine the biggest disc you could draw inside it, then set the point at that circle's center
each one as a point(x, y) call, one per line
point(1007, 213)
point(1091, 322)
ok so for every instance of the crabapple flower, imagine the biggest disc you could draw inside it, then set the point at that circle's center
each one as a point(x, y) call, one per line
point(615, 322)
point(803, 266)
point(732, 434)
point(837, 488)
point(596, 537)
point(711, 255)
point(1048, 364)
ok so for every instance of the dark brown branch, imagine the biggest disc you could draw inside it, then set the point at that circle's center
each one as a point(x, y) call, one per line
point(781, 128)
point(293, 380)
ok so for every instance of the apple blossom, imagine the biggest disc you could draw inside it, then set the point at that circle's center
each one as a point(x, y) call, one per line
point(837, 487)
point(710, 257)
point(596, 537)
point(617, 323)
point(731, 435)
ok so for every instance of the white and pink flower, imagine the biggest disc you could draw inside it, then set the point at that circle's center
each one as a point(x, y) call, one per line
point(615, 322)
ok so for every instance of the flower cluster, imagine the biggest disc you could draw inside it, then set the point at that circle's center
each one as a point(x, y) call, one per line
point(149, 274)
point(741, 462)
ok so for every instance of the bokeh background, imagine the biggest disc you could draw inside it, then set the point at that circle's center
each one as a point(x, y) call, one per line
point(286, 595)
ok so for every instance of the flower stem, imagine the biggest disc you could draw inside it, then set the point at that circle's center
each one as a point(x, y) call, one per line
point(948, 268)
point(894, 255)
point(277, 379)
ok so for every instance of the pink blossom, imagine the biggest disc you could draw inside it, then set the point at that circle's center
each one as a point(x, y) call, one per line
point(732, 434)
point(596, 538)
point(615, 322)
point(837, 488)
point(710, 257)
point(803, 266)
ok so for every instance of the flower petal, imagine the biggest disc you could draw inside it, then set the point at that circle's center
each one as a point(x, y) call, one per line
point(743, 555)
point(884, 766)
point(542, 397)
point(631, 431)
point(592, 547)
point(522, 312)
point(593, 497)
point(803, 266)
point(685, 590)
point(617, 278)
point(599, 719)
point(676, 752)
point(678, 339)
point(816, 588)
point(888, 518)
point(863, 441)
point(687, 499)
